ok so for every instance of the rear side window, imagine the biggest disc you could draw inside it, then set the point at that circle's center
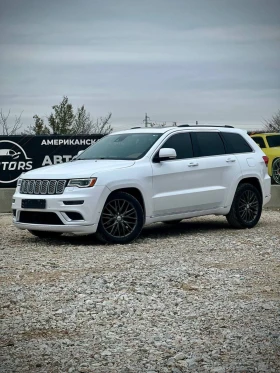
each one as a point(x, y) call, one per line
point(181, 142)
point(235, 143)
point(273, 141)
point(259, 141)
point(206, 144)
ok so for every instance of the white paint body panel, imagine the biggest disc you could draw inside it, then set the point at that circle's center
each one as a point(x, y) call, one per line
point(171, 189)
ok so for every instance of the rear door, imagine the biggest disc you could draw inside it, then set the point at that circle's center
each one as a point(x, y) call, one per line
point(215, 172)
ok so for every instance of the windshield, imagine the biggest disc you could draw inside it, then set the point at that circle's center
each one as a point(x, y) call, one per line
point(123, 146)
point(273, 141)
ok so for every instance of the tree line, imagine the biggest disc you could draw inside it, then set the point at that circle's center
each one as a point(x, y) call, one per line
point(62, 121)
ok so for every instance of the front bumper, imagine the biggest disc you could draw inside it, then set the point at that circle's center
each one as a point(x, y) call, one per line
point(89, 212)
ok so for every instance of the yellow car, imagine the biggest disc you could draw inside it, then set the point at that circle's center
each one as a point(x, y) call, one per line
point(270, 145)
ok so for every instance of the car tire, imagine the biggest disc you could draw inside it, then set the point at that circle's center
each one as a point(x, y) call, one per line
point(172, 222)
point(246, 207)
point(44, 234)
point(121, 220)
point(276, 171)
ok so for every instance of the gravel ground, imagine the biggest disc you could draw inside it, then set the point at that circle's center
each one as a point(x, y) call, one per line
point(196, 297)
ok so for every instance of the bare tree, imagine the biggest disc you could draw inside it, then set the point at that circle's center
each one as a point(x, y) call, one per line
point(84, 124)
point(7, 129)
point(273, 125)
point(102, 125)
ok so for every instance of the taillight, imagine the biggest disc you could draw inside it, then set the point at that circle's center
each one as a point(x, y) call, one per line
point(265, 159)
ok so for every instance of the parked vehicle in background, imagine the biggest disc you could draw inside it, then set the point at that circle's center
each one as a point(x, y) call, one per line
point(137, 177)
point(270, 145)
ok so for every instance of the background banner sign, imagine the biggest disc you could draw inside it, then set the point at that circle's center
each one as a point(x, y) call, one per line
point(24, 153)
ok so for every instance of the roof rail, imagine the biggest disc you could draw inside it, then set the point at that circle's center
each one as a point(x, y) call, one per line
point(133, 128)
point(203, 125)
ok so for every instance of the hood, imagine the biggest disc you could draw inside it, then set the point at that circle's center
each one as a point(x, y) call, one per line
point(76, 169)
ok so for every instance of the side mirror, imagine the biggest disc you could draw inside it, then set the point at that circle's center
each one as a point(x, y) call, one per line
point(167, 153)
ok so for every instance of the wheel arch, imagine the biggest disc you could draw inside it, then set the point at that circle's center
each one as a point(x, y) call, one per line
point(135, 192)
point(253, 181)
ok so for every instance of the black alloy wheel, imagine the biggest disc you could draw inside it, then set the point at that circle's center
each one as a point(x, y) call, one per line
point(276, 171)
point(121, 220)
point(246, 207)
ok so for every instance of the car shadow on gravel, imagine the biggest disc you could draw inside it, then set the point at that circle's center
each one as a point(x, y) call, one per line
point(153, 231)
point(185, 227)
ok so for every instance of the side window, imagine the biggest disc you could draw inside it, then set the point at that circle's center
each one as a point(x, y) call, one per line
point(259, 141)
point(236, 143)
point(181, 142)
point(207, 143)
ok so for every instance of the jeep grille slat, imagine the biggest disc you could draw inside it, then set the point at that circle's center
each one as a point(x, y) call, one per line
point(31, 186)
point(60, 186)
point(42, 186)
point(52, 186)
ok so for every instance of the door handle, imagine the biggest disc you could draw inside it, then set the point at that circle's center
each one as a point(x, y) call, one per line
point(192, 164)
point(230, 160)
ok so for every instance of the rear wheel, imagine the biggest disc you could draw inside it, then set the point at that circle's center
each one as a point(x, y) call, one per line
point(246, 207)
point(276, 171)
point(44, 234)
point(122, 219)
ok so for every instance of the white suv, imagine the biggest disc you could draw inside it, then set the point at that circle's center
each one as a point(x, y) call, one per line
point(141, 176)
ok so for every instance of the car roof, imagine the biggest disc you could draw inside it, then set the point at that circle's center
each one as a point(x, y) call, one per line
point(180, 128)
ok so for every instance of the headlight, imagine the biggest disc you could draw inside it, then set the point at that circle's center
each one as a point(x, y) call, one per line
point(82, 183)
point(19, 182)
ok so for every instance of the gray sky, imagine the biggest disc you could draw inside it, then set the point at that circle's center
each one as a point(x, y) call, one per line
point(215, 61)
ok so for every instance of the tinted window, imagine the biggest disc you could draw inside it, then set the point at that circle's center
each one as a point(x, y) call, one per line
point(207, 143)
point(235, 143)
point(273, 141)
point(259, 141)
point(181, 142)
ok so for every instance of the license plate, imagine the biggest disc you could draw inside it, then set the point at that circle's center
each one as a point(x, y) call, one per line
point(33, 203)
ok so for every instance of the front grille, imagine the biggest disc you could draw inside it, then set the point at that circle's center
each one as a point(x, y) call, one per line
point(34, 217)
point(42, 186)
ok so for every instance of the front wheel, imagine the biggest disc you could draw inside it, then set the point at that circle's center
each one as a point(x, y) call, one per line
point(44, 234)
point(246, 207)
point(121, 220)
point(276, 171)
